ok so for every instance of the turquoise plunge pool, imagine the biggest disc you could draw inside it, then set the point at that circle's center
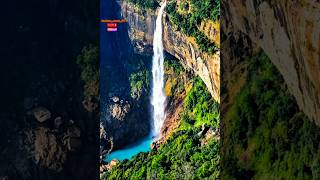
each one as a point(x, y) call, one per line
point(143, 145)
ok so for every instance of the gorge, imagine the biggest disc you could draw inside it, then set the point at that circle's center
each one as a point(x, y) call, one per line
point(157, 99)
point(187, 77)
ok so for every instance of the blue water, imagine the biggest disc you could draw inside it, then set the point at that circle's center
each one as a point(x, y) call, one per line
point(128, 152)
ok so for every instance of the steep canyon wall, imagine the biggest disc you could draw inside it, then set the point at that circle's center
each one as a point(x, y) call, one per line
point(289, 33)
point(141, 28)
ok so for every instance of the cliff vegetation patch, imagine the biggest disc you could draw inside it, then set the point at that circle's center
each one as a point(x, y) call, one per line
point(265, 134)
point(188, 17)
point(139, 82)
point(88, 61)
point(145, 4)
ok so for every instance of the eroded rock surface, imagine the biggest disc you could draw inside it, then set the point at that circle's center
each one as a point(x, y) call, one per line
point(119, 110)
point(125, 122)
point(141, 29)
point(289, 33)
point(41, 114)
point(46, 149)
point(49, 148)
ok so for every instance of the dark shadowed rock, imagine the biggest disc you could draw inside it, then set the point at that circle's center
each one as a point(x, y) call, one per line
point(48, 151)
point(57, 122)
point(90, 105)
point(115, 99)
point(41, 114)
point(28, 103)
point(119, 111)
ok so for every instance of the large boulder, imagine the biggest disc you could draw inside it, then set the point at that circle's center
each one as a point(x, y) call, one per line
point(71, 138)
point(47, 149)
point(119, 110)
point(41, 114)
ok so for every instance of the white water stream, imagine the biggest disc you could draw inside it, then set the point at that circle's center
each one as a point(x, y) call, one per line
point(158, 96)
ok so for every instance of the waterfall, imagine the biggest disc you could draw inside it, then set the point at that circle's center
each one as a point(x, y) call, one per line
point(158, 96)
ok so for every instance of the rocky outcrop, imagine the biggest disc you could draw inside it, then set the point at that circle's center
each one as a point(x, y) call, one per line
point(107, 167)
point(289, 33)
point(208, 135)
point(49, 147)
point(48, 152)
point(122, 119)
point(118, 110)
point(41, 114)
point(141, 28)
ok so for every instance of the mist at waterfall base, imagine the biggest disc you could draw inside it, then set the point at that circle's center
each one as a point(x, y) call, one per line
point(157, 99)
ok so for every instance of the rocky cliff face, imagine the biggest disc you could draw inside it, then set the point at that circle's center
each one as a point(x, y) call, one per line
point(289, 33)
point(141, 28)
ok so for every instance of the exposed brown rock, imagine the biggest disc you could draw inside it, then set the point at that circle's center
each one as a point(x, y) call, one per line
point(107, 167)
point(119, 110)
point(103, 133)
point(48, 152)
point(155, 145)
point(210, 134)
point(173, 117)
point(112, 163)
point(71, 138)
point(49, 148)
point(41, 114)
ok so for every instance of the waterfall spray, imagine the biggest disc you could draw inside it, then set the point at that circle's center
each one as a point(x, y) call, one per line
point(158, 96)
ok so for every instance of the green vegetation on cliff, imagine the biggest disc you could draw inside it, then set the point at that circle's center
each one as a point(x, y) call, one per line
point(88, 61)
point(139, 82)
point(181, 157)
point(199, 107)
point(139, 76)
point(170, 63)
point(146, 4)
point(192, 151)
point(174, 77)
point(265, 134)
point(188, 16)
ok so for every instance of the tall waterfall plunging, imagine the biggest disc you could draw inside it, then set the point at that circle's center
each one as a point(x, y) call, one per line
point(158, 96)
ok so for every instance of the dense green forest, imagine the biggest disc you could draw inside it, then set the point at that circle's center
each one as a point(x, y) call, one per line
point(187, 154)
point(88, 61)
point(265, 134)
point(146, 4)
point(139, 76)
point(139, 82)
point(189, 21)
